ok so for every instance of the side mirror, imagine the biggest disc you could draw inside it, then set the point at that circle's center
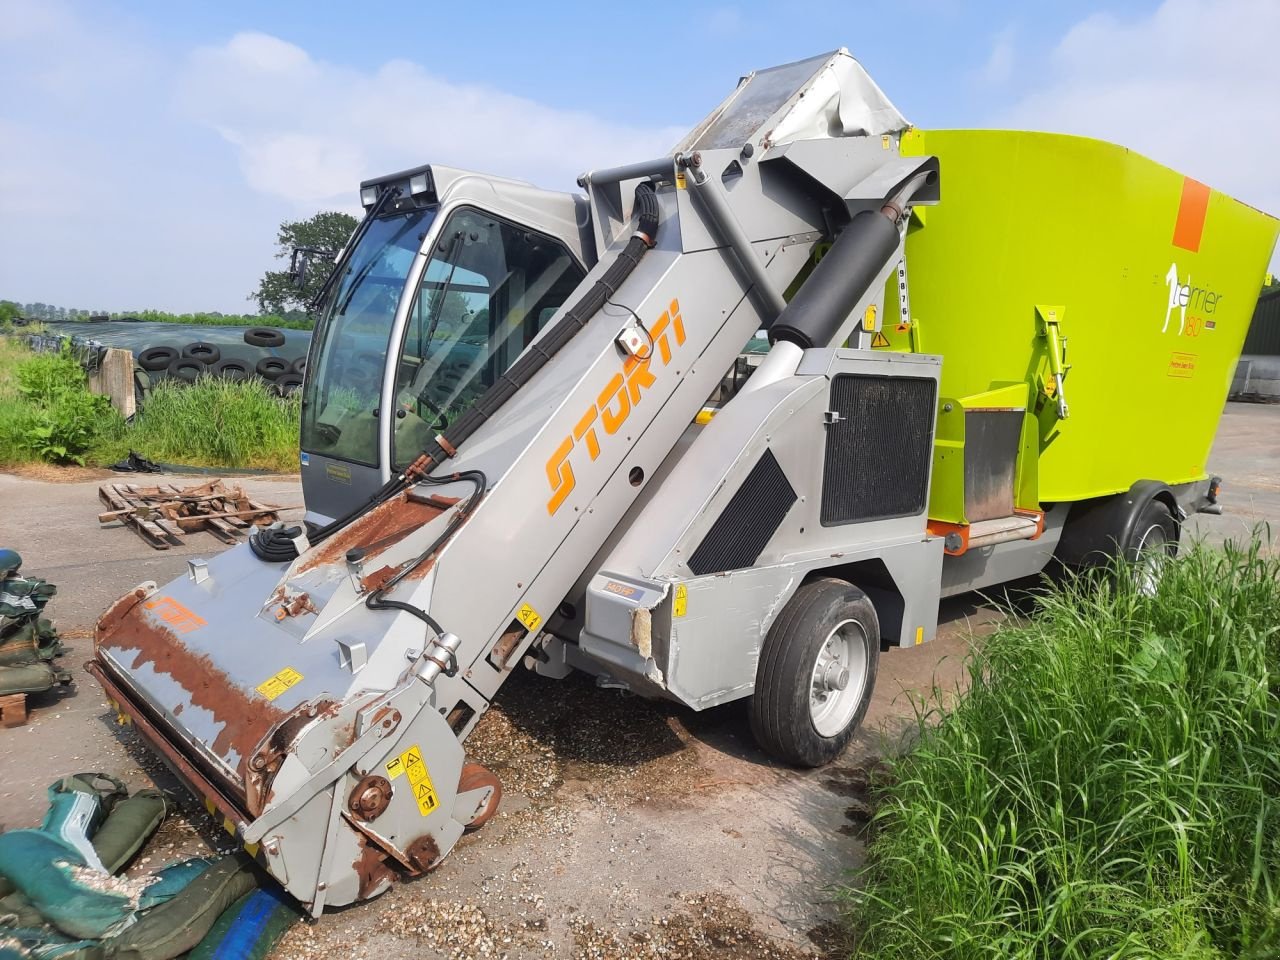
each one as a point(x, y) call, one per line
point(298, 266)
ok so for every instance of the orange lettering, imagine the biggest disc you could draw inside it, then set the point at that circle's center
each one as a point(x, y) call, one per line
point(616, 390)
point(583, 429)
point(560, 474)
point(639, 377)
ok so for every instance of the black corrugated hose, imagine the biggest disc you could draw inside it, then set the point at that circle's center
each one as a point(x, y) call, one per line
point(277, 546)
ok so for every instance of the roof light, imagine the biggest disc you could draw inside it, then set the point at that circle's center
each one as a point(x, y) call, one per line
point(419, 183)
point(368, 196)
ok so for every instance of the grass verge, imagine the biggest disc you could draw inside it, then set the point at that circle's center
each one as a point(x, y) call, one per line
point(1108, 786)
point(217, 422)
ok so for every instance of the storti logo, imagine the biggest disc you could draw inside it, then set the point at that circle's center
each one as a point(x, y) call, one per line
point(613, 406)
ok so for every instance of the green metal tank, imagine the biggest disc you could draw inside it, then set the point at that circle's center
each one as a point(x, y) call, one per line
point(1058, 254)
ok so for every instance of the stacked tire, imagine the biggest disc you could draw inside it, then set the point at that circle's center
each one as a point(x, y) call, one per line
point(205, 359)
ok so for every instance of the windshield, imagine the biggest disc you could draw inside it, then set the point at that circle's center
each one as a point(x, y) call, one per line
point(488, 289)
point(344, 379)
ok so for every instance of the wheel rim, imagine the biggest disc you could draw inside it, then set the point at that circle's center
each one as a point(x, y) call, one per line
point(839, 678)
point(1151, 554)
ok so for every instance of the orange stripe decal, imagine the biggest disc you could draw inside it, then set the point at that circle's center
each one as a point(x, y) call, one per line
point(1191, 210)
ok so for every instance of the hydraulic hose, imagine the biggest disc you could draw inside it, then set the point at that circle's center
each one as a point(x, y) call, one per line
point(278, 545)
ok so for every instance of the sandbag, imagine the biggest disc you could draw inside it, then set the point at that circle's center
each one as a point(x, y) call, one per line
point(173, 928)
point(31, 678)
point(169, 881)
point(28, 640)
point(251, 928)
point(127, 828)
point(78, 804)
point(44, 869)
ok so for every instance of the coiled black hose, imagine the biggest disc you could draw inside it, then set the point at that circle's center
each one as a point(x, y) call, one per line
point(277, 545)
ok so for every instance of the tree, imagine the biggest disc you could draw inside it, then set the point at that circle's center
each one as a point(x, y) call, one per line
point(326, 231)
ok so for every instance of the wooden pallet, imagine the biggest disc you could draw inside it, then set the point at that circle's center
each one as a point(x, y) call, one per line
point(13, 710)
point(162, 515)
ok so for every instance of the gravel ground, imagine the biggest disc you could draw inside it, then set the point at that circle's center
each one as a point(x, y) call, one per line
point(628, 829)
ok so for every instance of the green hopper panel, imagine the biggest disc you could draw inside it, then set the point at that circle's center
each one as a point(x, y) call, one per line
point(1149, 277)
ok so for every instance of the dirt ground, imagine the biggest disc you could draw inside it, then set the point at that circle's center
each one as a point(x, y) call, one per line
point(628, 828)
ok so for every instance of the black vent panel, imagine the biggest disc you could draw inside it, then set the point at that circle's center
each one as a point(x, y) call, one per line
point(879, 450)
point(748, 522)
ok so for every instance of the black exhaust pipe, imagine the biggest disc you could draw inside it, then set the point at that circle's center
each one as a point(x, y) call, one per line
point(841, 278)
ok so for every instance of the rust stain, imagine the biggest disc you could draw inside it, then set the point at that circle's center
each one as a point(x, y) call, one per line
point(297, 605)
point(115, 613)
point(371, 867)
point(246, 717)
point(423, 853)
point(380, 528)
point(378, 579)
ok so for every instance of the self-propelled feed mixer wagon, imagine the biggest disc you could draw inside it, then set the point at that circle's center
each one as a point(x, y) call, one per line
point(533, 435)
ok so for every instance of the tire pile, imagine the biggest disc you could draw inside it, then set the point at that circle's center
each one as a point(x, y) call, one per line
point(205, 359)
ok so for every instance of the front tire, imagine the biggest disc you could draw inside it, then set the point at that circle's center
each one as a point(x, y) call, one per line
point(817, 671)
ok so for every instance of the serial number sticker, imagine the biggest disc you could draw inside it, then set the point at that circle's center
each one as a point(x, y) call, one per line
point(529, 617)
point(278, 684)
point(681, 602)
point(424, 791)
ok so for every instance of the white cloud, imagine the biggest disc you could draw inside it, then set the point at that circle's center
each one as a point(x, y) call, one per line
point(308, 131)
point(998, 69)
point(135, 175)
point(1193, 86)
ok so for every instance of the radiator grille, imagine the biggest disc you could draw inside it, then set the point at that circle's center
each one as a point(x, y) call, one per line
point(878, 452)
point(748, 522)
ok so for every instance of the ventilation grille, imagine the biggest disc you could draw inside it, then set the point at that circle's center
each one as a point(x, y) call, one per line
point(878, 451)
point(749, 521)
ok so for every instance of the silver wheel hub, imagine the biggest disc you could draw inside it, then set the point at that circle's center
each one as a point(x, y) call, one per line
point(839, 678)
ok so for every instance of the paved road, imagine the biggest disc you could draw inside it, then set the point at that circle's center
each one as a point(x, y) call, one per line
point(617, 811)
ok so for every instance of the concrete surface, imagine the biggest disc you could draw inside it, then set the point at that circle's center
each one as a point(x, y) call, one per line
point(624, 823)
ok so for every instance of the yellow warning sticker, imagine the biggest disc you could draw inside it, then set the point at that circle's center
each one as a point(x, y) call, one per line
point(278, 684)
point(424, 792)
point(879, 340)
point(529, 617)
point(680, 181)
point(395, 768)
point(869, 318)
point(681, 602)
point(919, 635)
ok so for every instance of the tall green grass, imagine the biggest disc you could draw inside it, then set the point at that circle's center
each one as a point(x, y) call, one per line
point(1107, 787)
point(216, 422)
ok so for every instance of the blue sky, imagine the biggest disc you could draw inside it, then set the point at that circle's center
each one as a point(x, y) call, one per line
point(152, 148)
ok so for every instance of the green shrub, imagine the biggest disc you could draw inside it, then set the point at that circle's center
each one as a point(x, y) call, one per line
point(56, 418)
point(1107, 786)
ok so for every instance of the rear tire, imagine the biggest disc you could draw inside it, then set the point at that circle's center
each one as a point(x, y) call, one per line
point(817, 670)
point(1152, 543)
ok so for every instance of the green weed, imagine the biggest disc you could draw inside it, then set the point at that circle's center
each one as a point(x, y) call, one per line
point(1107, 787)
point(217, 422)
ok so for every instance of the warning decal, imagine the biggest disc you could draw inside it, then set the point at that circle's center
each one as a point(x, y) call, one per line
point(529, 617)
point(879, 340)
point(278, 684)
point(410, 764)
point(681, 603)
